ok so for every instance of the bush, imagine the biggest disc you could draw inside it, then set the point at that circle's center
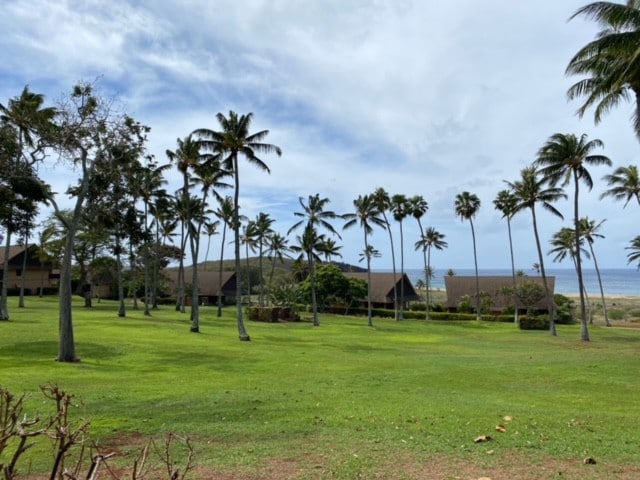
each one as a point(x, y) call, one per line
point(271, 314)
point(616, 314)
point(540, 322)
point(418, 307)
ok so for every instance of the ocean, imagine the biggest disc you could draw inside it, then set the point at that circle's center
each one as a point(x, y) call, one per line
point(615, 281)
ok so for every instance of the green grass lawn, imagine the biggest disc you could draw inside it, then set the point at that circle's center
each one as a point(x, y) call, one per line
point(341, 398)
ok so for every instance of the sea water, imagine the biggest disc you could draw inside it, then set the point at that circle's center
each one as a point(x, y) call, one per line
point(615, 281)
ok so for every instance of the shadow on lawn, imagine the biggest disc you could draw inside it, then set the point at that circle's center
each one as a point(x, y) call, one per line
point(49, 348)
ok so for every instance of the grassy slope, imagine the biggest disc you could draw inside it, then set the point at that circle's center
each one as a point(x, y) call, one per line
point(341, 393)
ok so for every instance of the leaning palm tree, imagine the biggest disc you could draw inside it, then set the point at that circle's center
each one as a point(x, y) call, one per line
point(430, 239)
point(505, 202)
point(367, 215)
point(634, 255)
point(611, 62)
point(589, 231)
point(383, 202)
point(230, 142)
point(529, 190)
point(313, 216)
point(624, 184)
point(563, 159)
point(466, 207)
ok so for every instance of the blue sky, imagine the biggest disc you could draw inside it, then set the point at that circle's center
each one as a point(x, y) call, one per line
point(419, 97)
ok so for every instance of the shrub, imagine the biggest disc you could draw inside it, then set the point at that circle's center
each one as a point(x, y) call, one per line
point(540, 322)
point(616, 314)
point(634, 313)
point(418, 307)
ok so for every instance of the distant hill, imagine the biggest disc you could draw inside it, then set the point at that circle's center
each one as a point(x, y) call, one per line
point(281, 267)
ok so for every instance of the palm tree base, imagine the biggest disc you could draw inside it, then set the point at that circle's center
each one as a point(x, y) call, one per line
point(194, 329)
point(73, 359)
point(244, 338)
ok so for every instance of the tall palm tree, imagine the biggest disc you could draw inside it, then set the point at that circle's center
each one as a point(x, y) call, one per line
point(367, 215)
point(611, 62)
point(312, 217)
point(399, 207)
point(232, 141)
point(505, 202)
point(530, 190)
point(466, 207)
point(367, 254)
point(563, 243)
point(624, 183)
point(263, 230)
point(634, 254)
point(430, 239)
point(277, 250)
point(249, 240)
point(418, 206)
point(383, 202)
point(225, 212)
point(589, 231)
point(563, 159)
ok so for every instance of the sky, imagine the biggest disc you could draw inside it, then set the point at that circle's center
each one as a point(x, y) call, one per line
point(420, 97)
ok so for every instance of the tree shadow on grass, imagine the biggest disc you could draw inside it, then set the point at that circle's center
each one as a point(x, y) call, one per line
point(49, 348)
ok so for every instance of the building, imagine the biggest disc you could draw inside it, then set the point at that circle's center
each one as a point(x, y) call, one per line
point(382, 288)
point(208, 285)
point(33, 274)
point(497, 287)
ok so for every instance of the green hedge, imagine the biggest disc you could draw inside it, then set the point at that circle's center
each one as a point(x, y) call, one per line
point(540, 322)
point(271, 314)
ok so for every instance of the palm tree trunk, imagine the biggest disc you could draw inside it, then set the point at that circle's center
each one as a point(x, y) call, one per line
point(4, 310)
point(195, 291)
point(121, 308)
point(428, 282)
point(242, 332)
point(366, 251)
point(314, 300)
point(401, 309)
point(604, 303)
point(475, 262)
point(393, 265)
point(550, 303)
point(584, 329)
point(24, 269)
point(513, 273)
point(224, 235)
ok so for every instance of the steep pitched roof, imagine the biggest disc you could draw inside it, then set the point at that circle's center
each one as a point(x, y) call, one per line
point(458, 286)
point(14, 252)
point(382, 286)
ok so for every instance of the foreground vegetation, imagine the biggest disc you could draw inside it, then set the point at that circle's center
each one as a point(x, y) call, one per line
point(341, 400)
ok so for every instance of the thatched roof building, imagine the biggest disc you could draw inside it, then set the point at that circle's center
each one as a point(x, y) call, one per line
point(208, 284)
point(382, 287)
point(458, 286)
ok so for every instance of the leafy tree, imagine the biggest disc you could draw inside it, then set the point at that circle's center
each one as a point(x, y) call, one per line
point(312, 217)
point(610, 62)
point(466, 207)
point(367, 215)
point(230, 142)
point(529, 190)
point(431, 238)
point(505, 202)
point(624, 183)
point(564, 159)
point(330, 285)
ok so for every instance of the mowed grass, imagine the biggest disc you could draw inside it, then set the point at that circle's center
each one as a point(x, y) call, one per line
point(342, 397)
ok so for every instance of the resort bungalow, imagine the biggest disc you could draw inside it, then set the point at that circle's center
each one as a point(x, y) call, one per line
point(382, 288)
point(25, 268)
point(208, 285)
point(497, 288)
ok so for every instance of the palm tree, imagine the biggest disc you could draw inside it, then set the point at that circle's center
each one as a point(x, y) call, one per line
point(330, 249)
point(563, 243)
point(262, 232)
point(367, 254)
point(383, 202)
point(466, 207)
point(367, 215)
point(313, 215)
point(589, 231)
point(277, 249)
point(225, 212)
point(249, 240)
point(430, 239)
point(529, 190)
point(634, 255)
point(611, 62)
point(562, 160)
point(230, 142)
point(418, 206)
point(210, 229)
point(506, 202)
point(399, 207)
point(624, 183)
